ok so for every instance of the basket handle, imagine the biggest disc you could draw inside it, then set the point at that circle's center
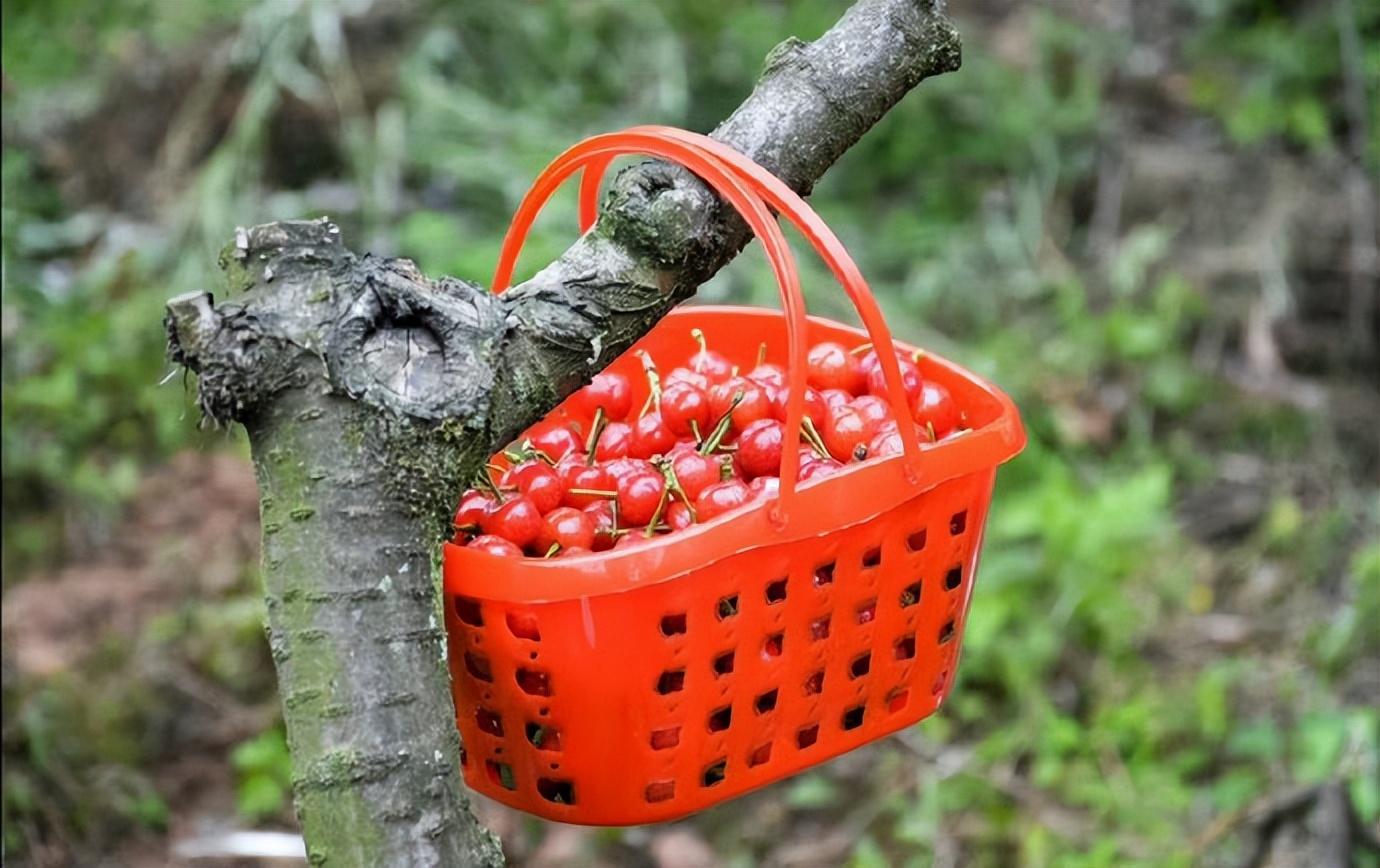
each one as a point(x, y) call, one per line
point(786, 201)
point(728, 185)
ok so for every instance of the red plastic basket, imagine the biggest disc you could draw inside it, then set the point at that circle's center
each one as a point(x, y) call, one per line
point(643, 684)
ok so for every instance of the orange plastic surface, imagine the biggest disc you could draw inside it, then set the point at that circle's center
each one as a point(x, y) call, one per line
point(644, 684)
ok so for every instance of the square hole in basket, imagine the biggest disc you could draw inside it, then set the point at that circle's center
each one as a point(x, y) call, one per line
point(953, 578)
point(958, 522)
point(759, 756)
point(671, 681)
point(766, 701)
point(467, 610)
point(660, 791)
point(815, 683)
point(819, 629)
point(915, 541)
point(523, 625)
point(478, 666)
point(861, 665)
point(500, 774)
point(720, 719)
point(853, 717)
point(714, 774)
point(910, 595)
point(776, 591)
point(824, 574)
point(488, 721)
point(946, 633)
point(723, 664)
point(872, 557)
point(534, 682)
point(773, 645)
point(558, 791)
point(665, 738)
point(806, 736)
point(673, 625)
point(897, 699)
point(905, 647)
point(543, 737)
point(867, 612)
point(727, 607)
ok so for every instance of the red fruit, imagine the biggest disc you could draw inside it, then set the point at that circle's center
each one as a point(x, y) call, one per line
point(886, 441)
point(695, 472)
point(567, 528)
point(621, 467)
point(846, 433)
point(874, 409)
point(557, 442)
point(609, 391)
point(767, 486)
point(517, 520)
point(755, 404)
point(759, 449)
point(542, 485)
point(719, 498)
point(678, 516)
point(633, 538)
point(614, 441)
point(769, 375)
point(495, 545)
point(639, 495)
point(816, 410)
point(601, 515)
point(584, 477)
point(571, 552)
point(650, 436)
point(836, 397)
point(712, 365)
point(473, 506)
point(831, 366)
point(936, 408)
point(818, 467)
point(686, 410)
point(911, 380)
point(687, 376)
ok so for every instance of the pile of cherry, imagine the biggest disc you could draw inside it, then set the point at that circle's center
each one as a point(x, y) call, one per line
point(706, 441)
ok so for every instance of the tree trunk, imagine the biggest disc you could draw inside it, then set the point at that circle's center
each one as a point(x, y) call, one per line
point(373, 394)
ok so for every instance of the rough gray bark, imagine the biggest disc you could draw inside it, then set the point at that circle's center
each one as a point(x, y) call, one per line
point(371, 394)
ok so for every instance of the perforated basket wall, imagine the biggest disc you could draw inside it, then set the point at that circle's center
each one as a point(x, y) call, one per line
point(642, 686)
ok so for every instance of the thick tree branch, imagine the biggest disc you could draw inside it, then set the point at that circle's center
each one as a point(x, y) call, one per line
point(371, 394)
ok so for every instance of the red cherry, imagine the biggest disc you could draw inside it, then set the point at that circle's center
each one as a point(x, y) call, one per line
point(767, 486)
point(816, 410)
point(719, 498)
point(542, 485)
point(755, 404)
point(830, 366)
point(650, 436)
point(936, 408)
point(696, 472)
point(678, 516)
point(601, 515)
point(609, 391)
point(639, 495)
point(621, 467)
point(687, 376)
point(818, 467)
point(473, 507)
point(572, 551)
point(712, 365)
point(911, 380)
point(836, 397)
point(886, 441)
point(585, 478)
point(846, 433)
point(557, 442)
point(517, 520)
point(633, 538)
point(759, 449)
point(686, 410)
point(874, 409)
point(614, 441)
point(495, 545)
point(567, 528)
point(769, 375)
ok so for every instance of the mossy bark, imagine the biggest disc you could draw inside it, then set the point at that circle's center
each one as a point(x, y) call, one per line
point(371, 394)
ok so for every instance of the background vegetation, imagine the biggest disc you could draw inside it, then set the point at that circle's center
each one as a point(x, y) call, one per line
point(1154, 223)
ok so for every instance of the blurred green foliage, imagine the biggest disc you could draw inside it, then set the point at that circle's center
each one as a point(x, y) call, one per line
point(1085, 731)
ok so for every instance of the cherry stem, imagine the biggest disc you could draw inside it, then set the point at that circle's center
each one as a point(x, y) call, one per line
point(653, 384)
point(555, 547)
point(595, 492)
point(761, 354)
point(720, 430)
point(660, 508)
point(929, 426)
point(695, 430)
point(699, 339)
point(860, 349)
point(600, 421)
point(482, 481)
point(810, 434)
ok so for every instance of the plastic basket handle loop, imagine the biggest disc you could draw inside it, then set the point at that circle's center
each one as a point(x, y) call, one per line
point(786, 201)
point(728, 185)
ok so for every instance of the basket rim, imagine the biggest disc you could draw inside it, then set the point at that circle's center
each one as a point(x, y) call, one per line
point(479, 575)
